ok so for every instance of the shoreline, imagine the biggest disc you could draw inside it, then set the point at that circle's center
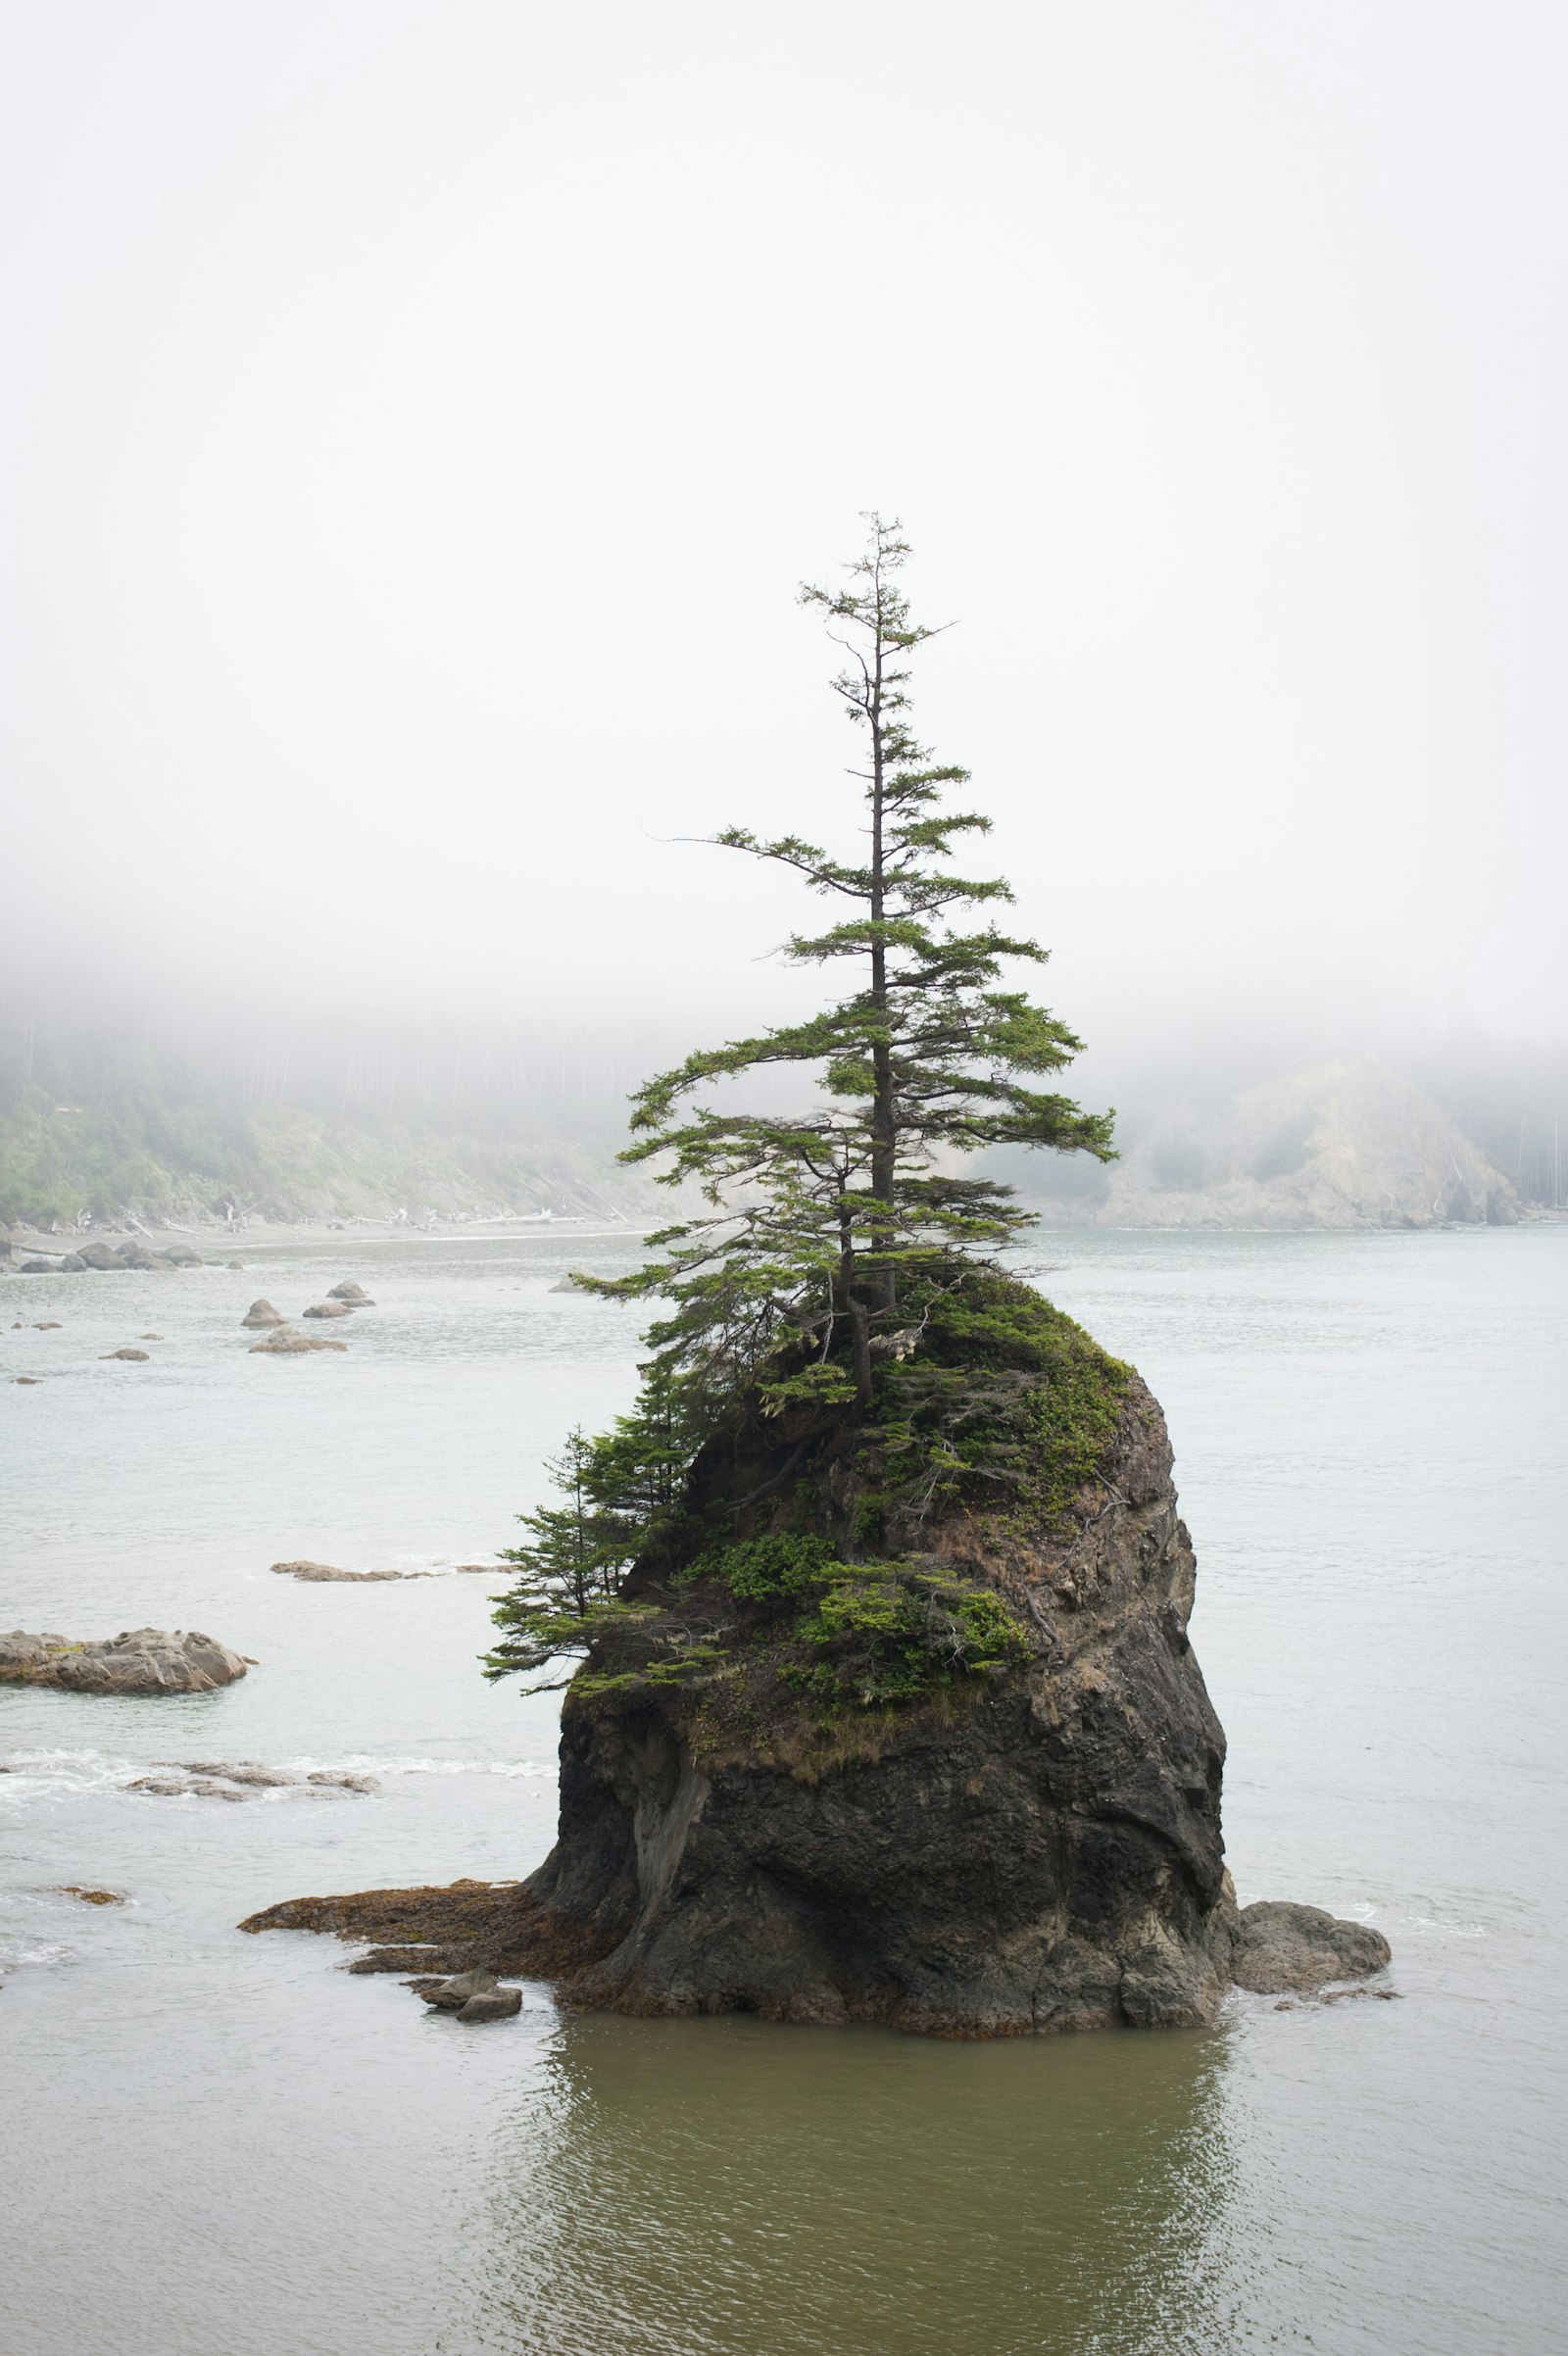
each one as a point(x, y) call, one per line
point(216, 1242)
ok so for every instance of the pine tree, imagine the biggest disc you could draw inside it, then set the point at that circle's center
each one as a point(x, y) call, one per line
point(837, 1221)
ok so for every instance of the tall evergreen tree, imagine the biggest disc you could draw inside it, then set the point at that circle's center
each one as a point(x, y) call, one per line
point(836, 1220)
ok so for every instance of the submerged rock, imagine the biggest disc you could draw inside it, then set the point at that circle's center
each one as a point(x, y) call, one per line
point(285, 1341)
point(214, 1779)
point(140, 1355)
point(327, 1570)
point(822, 1822)
point(185, 1786)
point(139, 1660)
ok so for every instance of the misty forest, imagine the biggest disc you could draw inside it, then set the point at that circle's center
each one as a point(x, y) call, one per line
point(868, 1097)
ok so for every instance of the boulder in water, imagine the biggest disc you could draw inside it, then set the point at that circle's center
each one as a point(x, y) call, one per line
point(331, 1308)
point(355, 1295)
point(38, 1267)
point(492, 2005)
point(99, 1256)
point(139, 1660)
point(450, 1995)
point(1283, 1949)
point(262, 1313)
point(73, 1264)
point(286, 1342)
point(142, 1355)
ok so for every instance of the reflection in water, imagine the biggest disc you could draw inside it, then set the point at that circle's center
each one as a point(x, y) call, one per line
point(732, 2189)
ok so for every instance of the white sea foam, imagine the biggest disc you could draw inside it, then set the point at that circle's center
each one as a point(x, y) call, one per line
point(32, 1775)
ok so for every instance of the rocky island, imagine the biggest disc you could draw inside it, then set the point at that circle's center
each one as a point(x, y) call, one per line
point(887, 1708)
point(968, 1786)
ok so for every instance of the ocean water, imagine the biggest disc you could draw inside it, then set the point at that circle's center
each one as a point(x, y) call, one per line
point(221, 2146)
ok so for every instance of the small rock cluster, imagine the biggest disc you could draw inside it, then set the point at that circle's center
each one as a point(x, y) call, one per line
point(108, 1256)
point(210, 1779)
point(280, 1339)
point(329, 1570)
point(471, 1996)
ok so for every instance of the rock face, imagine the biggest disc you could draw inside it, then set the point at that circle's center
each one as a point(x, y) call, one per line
point(139, 1660)
point(1032, 1849)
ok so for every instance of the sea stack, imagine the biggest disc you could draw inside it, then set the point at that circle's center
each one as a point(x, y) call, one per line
point(874, 1745)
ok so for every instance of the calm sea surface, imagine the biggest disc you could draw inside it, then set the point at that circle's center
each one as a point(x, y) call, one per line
point(218, 2145)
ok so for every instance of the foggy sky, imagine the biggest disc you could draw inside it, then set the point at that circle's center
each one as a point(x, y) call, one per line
point(418, 414)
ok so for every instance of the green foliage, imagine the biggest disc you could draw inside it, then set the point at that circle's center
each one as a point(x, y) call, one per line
point(613, 1489)
point(760, 1569)
point(839, 1635)
point(1008, 1409)
point(889, 1634)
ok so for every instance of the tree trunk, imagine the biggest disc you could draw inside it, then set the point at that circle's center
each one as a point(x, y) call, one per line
point(884, 1135)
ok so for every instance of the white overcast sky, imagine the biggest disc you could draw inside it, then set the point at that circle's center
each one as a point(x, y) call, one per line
point(416, 418)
